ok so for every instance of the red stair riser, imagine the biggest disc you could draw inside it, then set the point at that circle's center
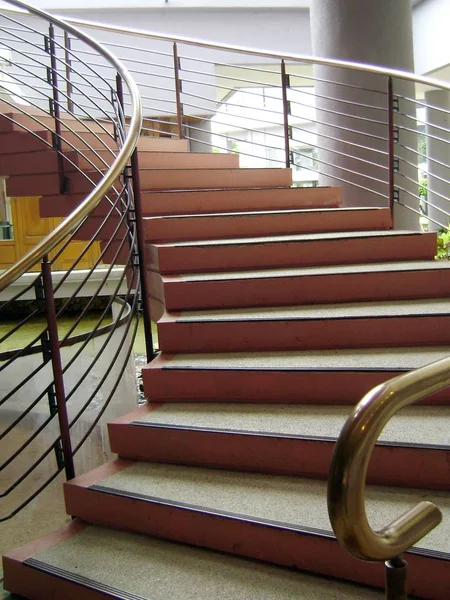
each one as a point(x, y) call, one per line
point(249, 385)
point(213, 178)
point(323, 289)
point(252, 385)
point(90, 229)
point(399, 466)
point(48, 184)
point(17, 142)
point(247, 336)
point(204, 228)
point(186, 160)
point(188, 259)
point(310, 553)
point(44, 121)
point(149, 143)
point(210, 201)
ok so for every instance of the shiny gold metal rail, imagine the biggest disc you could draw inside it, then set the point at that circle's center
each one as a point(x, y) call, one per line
point(346, 487)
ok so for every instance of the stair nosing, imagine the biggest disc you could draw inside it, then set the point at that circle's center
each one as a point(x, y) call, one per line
point(272, 523)
point(81, 580)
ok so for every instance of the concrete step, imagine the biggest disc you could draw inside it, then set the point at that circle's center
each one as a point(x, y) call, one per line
point(17, 142)
point(192, 201)
point(235, 200)
point(175, 228)
point(302, 285)
point(290, 251)
point(149, 143)
point(358, 325)
point(91, 562)
point(11, 121)
point(301, 377)
point(259, 512)
point(291, 439)
point(213, 178)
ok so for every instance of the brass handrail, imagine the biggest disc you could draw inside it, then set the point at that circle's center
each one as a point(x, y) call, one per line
point(346, 484)
point(46, 245)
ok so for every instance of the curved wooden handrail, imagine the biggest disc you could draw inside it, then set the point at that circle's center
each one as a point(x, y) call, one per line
point(346, 484)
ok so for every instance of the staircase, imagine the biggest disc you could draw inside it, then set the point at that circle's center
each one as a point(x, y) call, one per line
point(278, 309)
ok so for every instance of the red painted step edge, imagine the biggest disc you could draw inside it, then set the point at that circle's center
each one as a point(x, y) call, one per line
point(405, 466)
point(309, 552)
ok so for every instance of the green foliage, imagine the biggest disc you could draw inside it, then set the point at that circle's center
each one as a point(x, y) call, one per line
point(443, 249)
point(423, 188)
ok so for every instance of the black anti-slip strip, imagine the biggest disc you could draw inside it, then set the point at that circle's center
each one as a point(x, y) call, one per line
point(315, 319)
point(289, 436)
point(107, 590)
point(356, 369)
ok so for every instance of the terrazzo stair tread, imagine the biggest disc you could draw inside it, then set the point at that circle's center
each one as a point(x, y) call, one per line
point(137, 567)
point(291, 250)
point(213, 178)
point(254, 223)
point(291, 439)
point(340, 376)
point(256, 496)
point(395, 323)
point(302, 285)
point(254, 199)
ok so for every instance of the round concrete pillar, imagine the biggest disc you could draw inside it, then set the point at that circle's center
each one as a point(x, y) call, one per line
point(438, 157)
point(352, 105)
point(200, 136)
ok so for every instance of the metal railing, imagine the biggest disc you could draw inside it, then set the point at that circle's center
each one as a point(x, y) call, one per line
point(346, 484)
point(385, 143)
point(65, 125)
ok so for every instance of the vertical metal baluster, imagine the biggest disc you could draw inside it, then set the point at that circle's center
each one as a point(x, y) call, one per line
point(140, 238)
point(55, 109)
point(284, 86)
point(58, 378)
point(176, 69)
point(396, 571)
point(68, 61)
point(391, 141)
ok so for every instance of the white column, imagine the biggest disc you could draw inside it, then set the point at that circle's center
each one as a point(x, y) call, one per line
point(438, 152)
point(200, 136)
point(377, 33)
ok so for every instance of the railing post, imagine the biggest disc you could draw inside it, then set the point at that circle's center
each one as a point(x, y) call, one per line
point(140, 238)
point(176, 69)
point(284, 86)
point(68, 61)
point(55, 110)
point(58, 378)
point(392, 138)
point(396, 572)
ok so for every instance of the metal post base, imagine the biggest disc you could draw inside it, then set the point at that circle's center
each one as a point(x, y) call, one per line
point(396, 571)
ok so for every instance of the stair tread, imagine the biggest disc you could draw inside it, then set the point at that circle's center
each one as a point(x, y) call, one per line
point(145, 567)
point(353, 310)
point(270, 497)
point(259, 213)
point(360, 358)
point(422, 265)
point(301, 237)
point(302, 421)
